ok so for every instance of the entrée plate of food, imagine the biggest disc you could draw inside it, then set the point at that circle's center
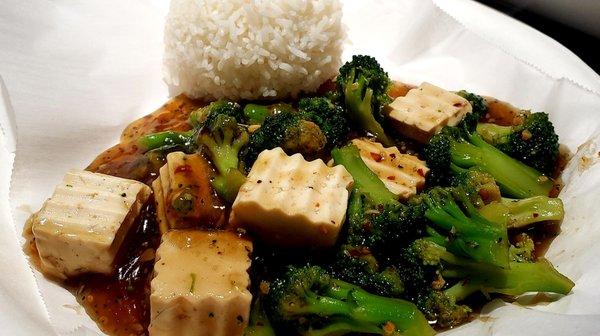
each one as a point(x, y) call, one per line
point(281, 191)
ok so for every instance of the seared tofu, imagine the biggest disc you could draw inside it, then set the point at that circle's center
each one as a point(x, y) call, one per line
point(287, 200)
point(425, 110)
point(183, 194)
point(402, 174)
point(200, 284)
point(81, 227)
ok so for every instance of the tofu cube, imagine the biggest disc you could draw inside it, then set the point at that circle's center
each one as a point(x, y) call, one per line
point(402, 174)
point(289, 201)
point(81, 227)
point(200, 284)
point(425, 110)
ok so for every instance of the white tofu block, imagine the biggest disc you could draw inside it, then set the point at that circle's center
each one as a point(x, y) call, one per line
point(402, 174)
point(425, 110)
point(81, 227)
point(200, 284)
point(287, 200)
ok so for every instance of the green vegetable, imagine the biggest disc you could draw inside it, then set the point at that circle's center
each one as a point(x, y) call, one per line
point(259, 324)
point(363, 86)
point(533, 142)
point(223, 138)
point(255, 114)
point(453, 148)
point(168, 141)
point(309, 300)
point(469, 233)
point(328, 116)
point(288, 131)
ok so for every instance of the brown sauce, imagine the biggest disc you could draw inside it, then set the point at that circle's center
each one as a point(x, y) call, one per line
point(120, 303)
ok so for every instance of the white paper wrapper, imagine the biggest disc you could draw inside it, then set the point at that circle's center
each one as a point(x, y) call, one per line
point(78, 73)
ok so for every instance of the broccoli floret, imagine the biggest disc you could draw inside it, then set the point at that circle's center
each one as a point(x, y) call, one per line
point(357, 265)
point(479, 185)
point(329, 117)
point(533, 142)
point(363, 86)
point(259, 324)
point(223, 138)
point(473, 276)
point(168, 141)
point(288, 131)
point(377, 225)
point(454, 148)
point(203, 115)
point(479, 109)
point(310, 301)
point(522, 249)
point(468, 233)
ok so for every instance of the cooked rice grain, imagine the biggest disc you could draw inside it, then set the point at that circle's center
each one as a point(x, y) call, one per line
point(251, 49)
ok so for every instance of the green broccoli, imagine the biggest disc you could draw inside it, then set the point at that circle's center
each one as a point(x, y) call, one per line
point(524, 212)
point(288, 131)
point(256, 114)
point(533, 142)
point(468, 233)
point(329, 117)
point(310, 301)
point(203, 115)
point(455, 148)
point(363, 86)
point(377, 224)
point(479, 185)
point(479, 109)
point(365, 180)
point(259, 324)
point(223, 138)
point(473, 276)
point(356, 264)
point(168, 141)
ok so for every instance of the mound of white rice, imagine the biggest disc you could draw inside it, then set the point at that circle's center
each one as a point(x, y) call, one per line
point(251, 48)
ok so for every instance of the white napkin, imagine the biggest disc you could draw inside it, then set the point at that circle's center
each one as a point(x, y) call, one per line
point(78, 73)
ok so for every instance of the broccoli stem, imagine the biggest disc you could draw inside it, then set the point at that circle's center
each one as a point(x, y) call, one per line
point(164, 140)
point(517, 279)
point(259, 324)
point(472, 234)
point(527, 211)
point(461, 290)
point(514, 178)
point(361, 109)
point(363, 309)
point(255, 114)
point(365, 180)
point(228, 185)
point(342, 327)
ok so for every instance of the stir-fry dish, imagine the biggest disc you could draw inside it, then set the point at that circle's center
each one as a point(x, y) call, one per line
point(369, 207)
point(306, 197)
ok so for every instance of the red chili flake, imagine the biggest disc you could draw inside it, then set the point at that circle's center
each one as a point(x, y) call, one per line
point(392, 155)
point(377, 157)
point(391, 178)
point(183, 169)
point(421, 172)
point(485, 194)
point(535, 215)
point(458, 104)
